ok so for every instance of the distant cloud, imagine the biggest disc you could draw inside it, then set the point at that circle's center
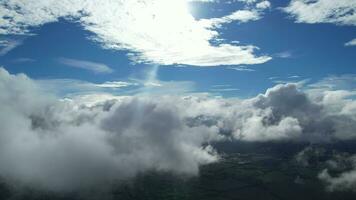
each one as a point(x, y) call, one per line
point(87, 65)
point(63, 87)
point(351, 42)
point(145, 28)
point(239, 15)
point(131, 86)
point(223, 88)
point(263, 5)
point(23, 60)
point(241, 68)
point(242, 16)
point(8, 44)
point(204, 1)
point(115, 84)
point(284, 54)
point(341, 12)
point(273, 77)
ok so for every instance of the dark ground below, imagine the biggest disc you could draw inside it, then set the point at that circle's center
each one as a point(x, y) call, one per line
point(246, 171)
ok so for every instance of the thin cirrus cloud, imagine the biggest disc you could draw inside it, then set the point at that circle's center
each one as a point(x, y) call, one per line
point(8, 45)
point(145, 28)
point(240, 15)
point(95, 67)
point(339, 12)
point(241, 68)
point(65, 87)
point(351, 42)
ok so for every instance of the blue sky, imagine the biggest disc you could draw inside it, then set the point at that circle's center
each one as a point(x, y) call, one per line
point(297, 50)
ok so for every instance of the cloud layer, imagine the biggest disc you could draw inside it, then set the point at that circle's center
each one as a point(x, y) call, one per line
point(66, 144)
point(60, 145)
point(154, 31)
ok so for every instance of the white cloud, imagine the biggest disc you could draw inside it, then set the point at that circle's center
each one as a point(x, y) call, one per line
point(115, 84)
point(247, 1)
point(341, 12)
point(263, 5)
point(223, 88)
point(64, 87)
point(87, 65)
point(351, 42)
point(241, 68)
point(154, 31)
point(66, 145)
point(239, 15)
point(92, 139)
point(7, 45)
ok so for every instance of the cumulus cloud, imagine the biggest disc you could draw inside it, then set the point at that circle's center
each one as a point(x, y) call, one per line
point(62, 145)
point(145, 28)
point(83, 141)
point(341, 12)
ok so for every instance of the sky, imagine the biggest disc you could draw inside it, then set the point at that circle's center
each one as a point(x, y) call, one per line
point(114, 88)
point(266, 42)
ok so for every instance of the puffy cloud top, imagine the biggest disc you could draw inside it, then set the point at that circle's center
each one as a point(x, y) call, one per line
point(68, 144)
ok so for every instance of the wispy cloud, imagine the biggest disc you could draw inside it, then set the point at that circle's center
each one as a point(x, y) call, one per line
point(284, 54)
point(64, 87)
point(161, 32)
point(23, 60)
point(223, 88)
point(351, 42)
point(239, 15)
point(87, 65)
point(242, 16)
point(115, 84)
point(241, 68)
point(7, 45)
point(273, 78)
point(294, 77)
point(341, 12)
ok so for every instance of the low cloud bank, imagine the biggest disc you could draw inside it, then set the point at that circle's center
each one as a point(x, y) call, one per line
point(66, 144)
